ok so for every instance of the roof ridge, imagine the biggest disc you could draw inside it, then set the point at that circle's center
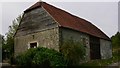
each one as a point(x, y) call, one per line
point(36, 5)
point(88, 23)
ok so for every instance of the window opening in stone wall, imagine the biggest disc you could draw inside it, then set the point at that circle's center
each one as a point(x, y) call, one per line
point(33, 45)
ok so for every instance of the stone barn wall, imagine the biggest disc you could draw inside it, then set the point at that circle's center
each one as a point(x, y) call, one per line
point(66, 34)
point(106, 49)
point(48, 38)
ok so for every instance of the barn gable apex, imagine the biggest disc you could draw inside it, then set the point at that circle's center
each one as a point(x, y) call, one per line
point(34, 21)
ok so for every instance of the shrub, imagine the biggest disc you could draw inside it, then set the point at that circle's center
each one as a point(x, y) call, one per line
point(26, 57)
point(42, 57)
point(73, 51)
point(49, 55)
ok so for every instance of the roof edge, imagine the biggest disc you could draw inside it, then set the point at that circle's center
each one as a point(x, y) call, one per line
point(84, 33)
point(52, 17)
point(34, 6)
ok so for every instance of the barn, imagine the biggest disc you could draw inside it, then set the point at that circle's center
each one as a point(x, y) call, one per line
point(43, 25)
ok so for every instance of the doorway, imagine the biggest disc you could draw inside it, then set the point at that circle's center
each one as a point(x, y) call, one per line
point(95, 48)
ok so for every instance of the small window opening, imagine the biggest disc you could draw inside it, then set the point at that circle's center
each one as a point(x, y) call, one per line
point(33, 45)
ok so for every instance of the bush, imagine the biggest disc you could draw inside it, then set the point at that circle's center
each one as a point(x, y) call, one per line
point(53, 57)
point(73, 52)
point(116, 40)
point(41, 56)
point(26, 57)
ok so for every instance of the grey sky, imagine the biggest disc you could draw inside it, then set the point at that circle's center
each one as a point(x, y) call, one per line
point(102, 14)
point(60, 0)
point(10, 11)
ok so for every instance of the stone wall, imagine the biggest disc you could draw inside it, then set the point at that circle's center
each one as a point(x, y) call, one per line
point(66, 34)
point(106, 49)
point(47, 38)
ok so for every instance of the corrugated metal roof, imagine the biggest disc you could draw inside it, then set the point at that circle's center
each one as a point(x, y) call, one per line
point(68, 20)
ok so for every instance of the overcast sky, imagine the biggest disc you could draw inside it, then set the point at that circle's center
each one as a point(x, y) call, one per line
point(102, 14)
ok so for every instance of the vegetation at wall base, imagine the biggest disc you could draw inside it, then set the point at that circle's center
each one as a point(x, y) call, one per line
point(41, 57)
point(73, 51)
